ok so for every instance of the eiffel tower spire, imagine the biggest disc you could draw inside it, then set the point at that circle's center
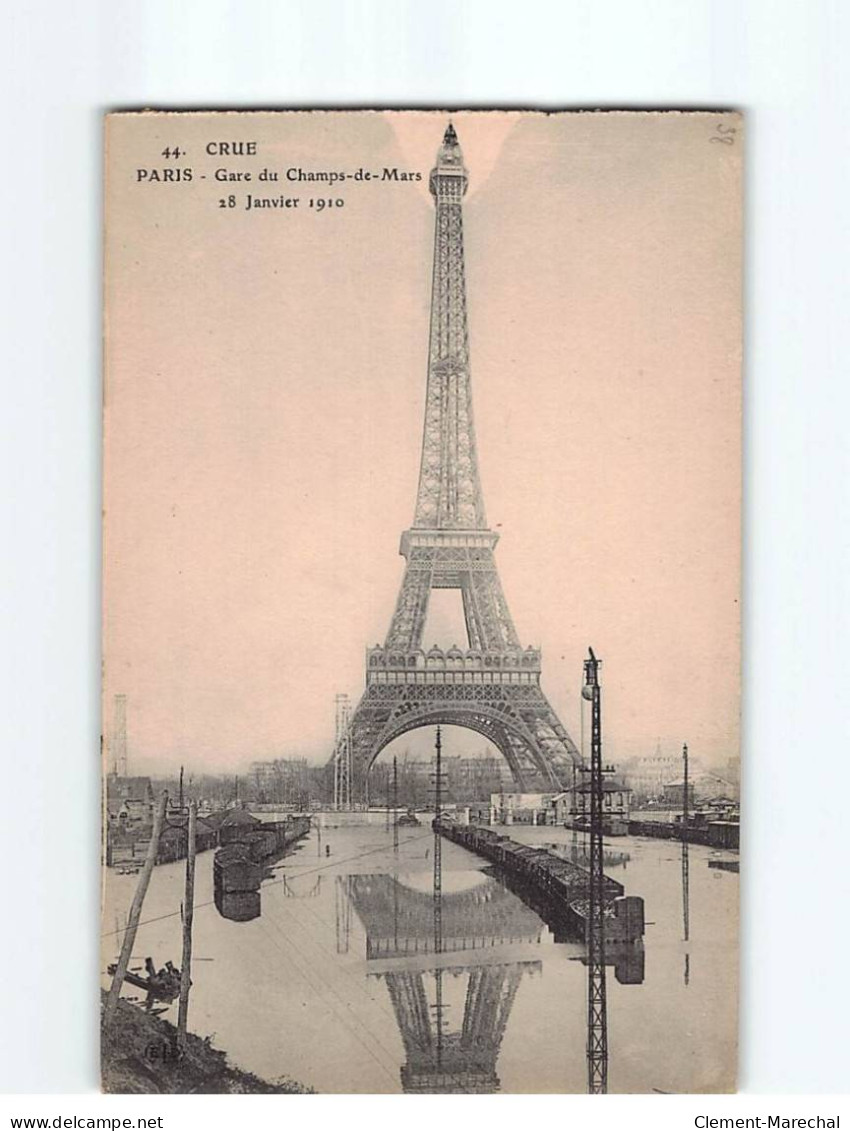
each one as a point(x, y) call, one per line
point(449, 494)
point(493, 685)
point(449, 545)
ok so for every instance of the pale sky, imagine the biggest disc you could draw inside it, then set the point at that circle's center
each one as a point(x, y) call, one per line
point(265, 386)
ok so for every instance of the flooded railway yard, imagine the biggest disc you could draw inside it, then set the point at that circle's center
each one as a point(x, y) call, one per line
point(353, 977)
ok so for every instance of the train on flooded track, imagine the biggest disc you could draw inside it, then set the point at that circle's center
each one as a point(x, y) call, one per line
point(239, 865)
point(555, 887)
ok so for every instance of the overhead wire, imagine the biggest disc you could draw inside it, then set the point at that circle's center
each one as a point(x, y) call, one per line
point(270, 883)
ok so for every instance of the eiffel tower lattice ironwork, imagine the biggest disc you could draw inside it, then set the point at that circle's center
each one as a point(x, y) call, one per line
point(493, 685)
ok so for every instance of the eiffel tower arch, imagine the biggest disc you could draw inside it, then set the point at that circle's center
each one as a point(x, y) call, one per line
point(491, 686)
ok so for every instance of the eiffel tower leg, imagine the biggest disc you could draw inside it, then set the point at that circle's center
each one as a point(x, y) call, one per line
point(557, 751)
point(411, 608)
point(484, 597)
point(367, 726)
point(516, 755)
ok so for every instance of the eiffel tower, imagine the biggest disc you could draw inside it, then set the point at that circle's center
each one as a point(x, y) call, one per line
point(493, 685)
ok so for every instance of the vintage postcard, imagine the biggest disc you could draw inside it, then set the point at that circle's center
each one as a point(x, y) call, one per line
point(421, 601)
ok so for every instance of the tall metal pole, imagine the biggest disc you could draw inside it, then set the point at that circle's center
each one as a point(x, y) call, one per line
point(686, 867)
point(686, 924)
point(438, 899)
point(597, 1009)
point(574, 814)
point(395, 803)
point(135, 912)
point(388, 803)
point(438, 843)
point(188, 915)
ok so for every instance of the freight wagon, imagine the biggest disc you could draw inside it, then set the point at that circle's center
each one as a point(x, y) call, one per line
point(238, 865)
point(715, 834)
point(263, 839)
point(555, 887)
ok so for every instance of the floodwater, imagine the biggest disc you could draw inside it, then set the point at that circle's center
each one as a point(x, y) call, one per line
point(347, 981)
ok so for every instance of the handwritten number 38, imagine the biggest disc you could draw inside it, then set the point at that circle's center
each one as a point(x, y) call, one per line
point(725, 134)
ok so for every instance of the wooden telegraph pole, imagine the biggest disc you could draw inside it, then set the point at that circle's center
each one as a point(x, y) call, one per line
point(135, 912)
point(188, 913)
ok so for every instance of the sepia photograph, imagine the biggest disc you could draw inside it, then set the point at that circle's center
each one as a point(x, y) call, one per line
point(421, 601)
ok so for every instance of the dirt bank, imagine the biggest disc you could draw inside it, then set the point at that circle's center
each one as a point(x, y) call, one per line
point(139, 1055)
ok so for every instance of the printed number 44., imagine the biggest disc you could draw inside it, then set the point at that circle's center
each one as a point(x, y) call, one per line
point(175, 152)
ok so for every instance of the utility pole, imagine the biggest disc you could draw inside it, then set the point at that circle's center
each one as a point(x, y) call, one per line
point(388, 802)
point(395, 804)
point(686, 868)
point(180, 792)
point(188, 915)
point(135, 912)
point(438, 900)
point(438, 809)
point(574, 814)
point(597, 1010)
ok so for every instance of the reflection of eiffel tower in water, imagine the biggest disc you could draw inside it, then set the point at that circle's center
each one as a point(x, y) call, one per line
point(450, 982)
point(461, 1061)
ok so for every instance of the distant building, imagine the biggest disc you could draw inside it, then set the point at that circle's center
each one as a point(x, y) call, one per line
point(137, 790)
point(673, 794)
point(473, 779)
point(132, 814)
point(646, 775)
point(711, 786)
point(465, 779)
point(522, 808)
point(575, 804)
point(649, 776)
point(282, 781)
